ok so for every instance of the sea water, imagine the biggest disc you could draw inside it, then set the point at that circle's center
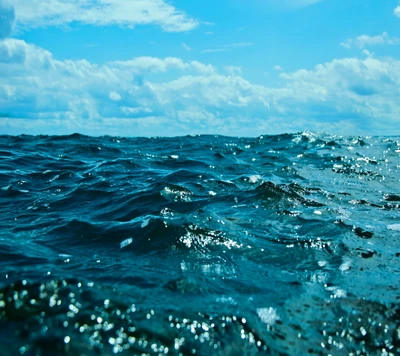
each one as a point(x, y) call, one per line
point(203, 245)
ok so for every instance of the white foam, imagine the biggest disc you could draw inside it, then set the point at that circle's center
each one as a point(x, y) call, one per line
point(255, 178)
point(345, 266)
point(267, 315)
point(395, 227)
point(145, 223)
point(126, 242)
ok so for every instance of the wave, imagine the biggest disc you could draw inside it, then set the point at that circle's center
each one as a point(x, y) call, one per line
point(283, 244)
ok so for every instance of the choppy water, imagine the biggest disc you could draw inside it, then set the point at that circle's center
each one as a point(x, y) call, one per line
point(207, 245)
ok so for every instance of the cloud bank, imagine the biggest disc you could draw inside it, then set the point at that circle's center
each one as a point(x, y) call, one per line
point(40, 94)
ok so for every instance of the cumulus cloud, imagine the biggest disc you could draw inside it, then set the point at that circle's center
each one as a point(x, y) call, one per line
point(365, 41)
point(220, 92)
point(79, 94)
point(40, 94)
point(7, 18)
point(362, 91)
point(126, 13)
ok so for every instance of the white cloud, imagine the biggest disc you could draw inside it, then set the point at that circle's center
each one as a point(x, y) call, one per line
point(367, 53)
point(396, 11)
point(205, 69)
point(126, 13)
point(115, 96)
point(40, 94)
point(278, 68)
point(78, 94)
point(365, 40)
point(362, 91)
point(233, 70)
point(7, 18)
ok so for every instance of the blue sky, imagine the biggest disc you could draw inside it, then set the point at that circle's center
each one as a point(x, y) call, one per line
point(165, 67)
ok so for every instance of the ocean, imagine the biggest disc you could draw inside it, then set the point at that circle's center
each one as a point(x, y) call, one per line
point(200, 245)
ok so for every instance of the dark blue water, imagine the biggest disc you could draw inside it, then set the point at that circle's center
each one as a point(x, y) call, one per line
point(206, 245)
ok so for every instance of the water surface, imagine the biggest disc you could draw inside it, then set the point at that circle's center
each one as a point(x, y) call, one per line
point(276, 245)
